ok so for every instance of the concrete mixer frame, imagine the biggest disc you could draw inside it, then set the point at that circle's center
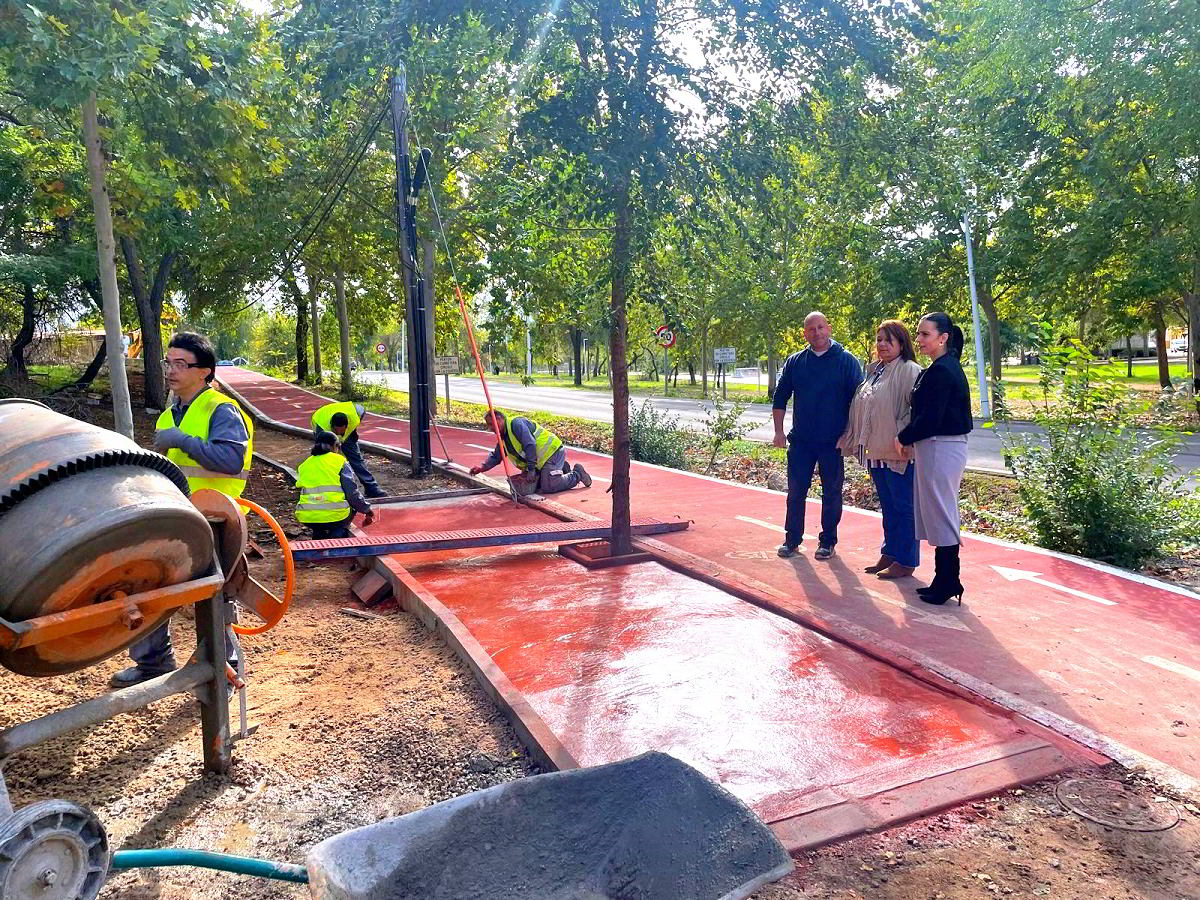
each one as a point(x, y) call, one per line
point(207, 669)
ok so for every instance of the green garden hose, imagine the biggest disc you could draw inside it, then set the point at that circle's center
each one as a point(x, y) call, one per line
point(243, 865)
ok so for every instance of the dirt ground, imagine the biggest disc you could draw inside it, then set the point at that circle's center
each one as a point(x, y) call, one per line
point(359, 720)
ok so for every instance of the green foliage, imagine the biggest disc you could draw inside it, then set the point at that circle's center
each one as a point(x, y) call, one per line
point(724, 426)
point(656, 437)
point(1096, 486)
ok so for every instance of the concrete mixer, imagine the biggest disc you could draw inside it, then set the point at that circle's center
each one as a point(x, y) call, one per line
point(100, 544)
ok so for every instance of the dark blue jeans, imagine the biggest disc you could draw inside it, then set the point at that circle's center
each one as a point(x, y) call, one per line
point(358, 466)
point(802, 459)
point(899, 528)
point(154, 652)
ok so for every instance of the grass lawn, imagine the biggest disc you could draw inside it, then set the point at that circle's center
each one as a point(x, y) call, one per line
point(51, 378)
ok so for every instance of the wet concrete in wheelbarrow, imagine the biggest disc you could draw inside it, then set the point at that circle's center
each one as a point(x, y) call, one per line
point(819, 739)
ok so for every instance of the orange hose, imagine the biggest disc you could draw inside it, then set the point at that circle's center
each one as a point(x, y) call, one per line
point(289, 569)
point(462, 305)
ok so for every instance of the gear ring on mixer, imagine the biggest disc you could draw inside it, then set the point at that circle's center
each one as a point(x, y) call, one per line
point(52, 850)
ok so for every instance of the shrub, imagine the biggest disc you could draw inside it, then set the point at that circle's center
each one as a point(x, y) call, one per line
point(724, 427)
point(1094, 485)
point(655, 437)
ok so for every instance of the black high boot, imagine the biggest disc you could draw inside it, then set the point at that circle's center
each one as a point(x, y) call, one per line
point(946, 570)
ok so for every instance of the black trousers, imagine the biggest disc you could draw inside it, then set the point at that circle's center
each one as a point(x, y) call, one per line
point(322, 530)
point(802, 459)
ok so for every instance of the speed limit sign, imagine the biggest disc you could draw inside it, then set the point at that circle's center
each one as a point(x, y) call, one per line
point(381, 348)
point(666, 337)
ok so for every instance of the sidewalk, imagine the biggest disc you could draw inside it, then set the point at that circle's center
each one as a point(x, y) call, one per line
point(1108, 658)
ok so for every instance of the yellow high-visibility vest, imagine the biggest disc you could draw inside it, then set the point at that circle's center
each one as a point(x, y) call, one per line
point(321, 496)
point(323, 417)
point(547, 442)
point(195, 422)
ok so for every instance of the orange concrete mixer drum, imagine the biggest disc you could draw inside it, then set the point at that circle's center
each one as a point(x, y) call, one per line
point(87, 517)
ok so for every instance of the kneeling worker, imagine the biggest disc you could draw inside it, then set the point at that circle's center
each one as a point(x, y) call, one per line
point(329, 498)
point(537, 452)
point(343, 420)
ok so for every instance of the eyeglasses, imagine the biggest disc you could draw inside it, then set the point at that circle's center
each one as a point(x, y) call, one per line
point(174, 365)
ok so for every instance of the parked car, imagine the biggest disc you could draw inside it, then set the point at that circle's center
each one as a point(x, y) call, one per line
point(1179, 347)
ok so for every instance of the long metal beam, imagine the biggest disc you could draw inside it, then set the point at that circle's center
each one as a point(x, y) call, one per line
point(416, 542)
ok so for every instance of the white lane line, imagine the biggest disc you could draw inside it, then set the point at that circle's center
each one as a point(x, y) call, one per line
point(1177, 668)
point(1021, 575)
point(478, 447)
point(771, 525)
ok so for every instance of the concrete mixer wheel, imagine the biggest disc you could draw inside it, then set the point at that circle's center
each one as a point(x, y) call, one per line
point(52, 850)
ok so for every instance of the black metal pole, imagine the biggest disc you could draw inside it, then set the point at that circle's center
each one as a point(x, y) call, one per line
point(414, 284)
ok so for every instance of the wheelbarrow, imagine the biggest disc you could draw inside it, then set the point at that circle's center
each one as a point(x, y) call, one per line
point(646, 828)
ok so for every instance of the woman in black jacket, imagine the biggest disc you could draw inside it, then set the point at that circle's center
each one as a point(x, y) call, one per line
point(936, 437)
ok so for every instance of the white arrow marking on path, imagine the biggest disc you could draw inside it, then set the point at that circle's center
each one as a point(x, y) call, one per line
point(921, 615)
point(1170, 666)
point(770, 525)
point(1022, 575)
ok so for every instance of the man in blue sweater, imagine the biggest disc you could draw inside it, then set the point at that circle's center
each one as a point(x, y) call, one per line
point(822, 378)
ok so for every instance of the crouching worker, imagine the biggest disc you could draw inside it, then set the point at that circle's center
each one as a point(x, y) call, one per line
point(536, 451)
point(329, 497)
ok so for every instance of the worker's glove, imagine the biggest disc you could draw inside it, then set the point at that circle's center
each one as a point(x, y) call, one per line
point(369, 518)
point(475, 470)
point(531, 478)
point(168, 439)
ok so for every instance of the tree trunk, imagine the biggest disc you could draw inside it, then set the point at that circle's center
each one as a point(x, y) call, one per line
point(339, 285)
point(314, 288)
point(993, 321)
point(301, 306)
point(97, 363)
point(106, 257)
point(772, 367)
point(691, 364)
point(93, 369)
point(1128, 356)
point(1160, 344)
point(1192, 299)
point(24, 337)
point(577, 353)
point(149, 305)
point(622, 537)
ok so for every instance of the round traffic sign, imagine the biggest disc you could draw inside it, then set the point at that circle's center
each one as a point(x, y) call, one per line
point(381, 348)
point(666, 337)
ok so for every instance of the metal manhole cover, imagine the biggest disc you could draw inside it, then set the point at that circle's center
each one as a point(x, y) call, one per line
point(1109, 803)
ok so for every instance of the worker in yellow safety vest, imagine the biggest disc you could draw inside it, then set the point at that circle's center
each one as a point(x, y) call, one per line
point(536, 451)
point(209, 437)
point(343, 420)
point(329, 498)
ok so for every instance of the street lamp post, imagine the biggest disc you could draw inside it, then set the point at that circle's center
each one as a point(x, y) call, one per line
point(985, 406)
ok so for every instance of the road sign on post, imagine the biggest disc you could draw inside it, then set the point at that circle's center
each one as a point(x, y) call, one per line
point(447, 366)
point(666, 339)
point(381, 348)
point(724, 356)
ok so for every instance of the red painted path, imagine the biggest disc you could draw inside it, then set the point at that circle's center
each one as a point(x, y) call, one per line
point(1107, 657)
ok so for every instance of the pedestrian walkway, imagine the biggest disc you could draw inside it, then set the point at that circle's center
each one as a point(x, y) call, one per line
point(1106, 657)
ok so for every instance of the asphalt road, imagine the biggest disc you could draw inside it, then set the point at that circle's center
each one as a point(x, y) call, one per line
point(985, 450)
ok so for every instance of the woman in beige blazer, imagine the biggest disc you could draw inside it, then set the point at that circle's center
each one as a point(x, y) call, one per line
point(879, 410)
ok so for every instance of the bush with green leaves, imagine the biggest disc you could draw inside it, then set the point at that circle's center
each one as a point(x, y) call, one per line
point(724, 426)
point(1095, 485)
point(656, 437)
